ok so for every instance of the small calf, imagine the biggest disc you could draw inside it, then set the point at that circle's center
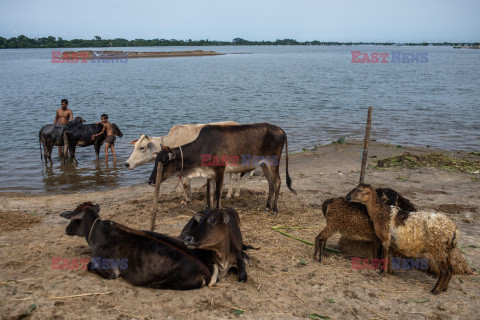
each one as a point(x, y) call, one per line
point(152, 260)
point(218, 230)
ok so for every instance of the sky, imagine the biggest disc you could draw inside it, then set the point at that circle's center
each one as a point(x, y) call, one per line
point(302, 20)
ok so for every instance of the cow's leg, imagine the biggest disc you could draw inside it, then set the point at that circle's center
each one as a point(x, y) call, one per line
point(237, 192)
point(187, 191)
point(104, 273)
point(230, 187)
point(210, 192)
point(72, 148)
point(97, 146)
point(276, 181)
point(214, 277)
point(252, 173)
point(47, 153)
point(242, 273)
point(266, 172)
point(219, 185)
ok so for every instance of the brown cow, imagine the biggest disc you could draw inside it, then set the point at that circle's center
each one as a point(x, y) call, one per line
point(218, 231)
point(217, 149)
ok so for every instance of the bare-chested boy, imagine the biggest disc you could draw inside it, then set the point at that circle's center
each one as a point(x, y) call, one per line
point(110, 139)
point(62, 117)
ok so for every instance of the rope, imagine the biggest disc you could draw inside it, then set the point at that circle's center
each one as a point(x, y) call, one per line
point(91, 229)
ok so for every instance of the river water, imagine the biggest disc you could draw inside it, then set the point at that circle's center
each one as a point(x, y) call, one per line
point(314, 93)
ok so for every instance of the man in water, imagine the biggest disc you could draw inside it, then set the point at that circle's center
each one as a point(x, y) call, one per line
point(62, 117)
point(110, 139)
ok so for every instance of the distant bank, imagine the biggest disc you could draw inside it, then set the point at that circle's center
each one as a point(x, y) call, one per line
point(52, 42)
point(92, 55)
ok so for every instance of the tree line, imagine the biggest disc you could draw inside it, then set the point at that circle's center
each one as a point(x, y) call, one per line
point(53, 42)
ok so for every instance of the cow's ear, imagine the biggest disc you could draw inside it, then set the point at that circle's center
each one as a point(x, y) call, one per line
point(146, 137)
point(73, 215)
point(150, 145)
point(133, 142)
point(226, 218)
point(198, 216)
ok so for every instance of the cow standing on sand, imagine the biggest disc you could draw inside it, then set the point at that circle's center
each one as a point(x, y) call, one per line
point(234, 148)
point(142, 258)
point(180, 134)
point(52, 135)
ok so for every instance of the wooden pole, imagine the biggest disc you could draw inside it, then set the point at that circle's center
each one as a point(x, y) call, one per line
point(365, 145)
point(155, 196)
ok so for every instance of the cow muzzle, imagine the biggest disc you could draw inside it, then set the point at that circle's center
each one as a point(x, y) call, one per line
point(157, 176)
point(189, 242)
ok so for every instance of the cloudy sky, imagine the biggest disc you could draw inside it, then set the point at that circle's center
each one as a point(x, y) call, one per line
point(303, 20)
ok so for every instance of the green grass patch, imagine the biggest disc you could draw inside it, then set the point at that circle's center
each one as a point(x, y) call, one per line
point(340, 140)
point(433, 159)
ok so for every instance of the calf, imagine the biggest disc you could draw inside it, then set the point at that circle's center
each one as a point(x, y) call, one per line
point(218, 231)
point(52, 135)
point(241, 148)
point(82, 136)
point(153, 260)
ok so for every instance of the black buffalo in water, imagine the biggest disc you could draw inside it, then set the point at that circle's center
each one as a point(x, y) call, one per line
point(52, 135)
point(82, 136)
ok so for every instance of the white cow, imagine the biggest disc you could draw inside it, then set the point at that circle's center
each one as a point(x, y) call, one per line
point(179, 135)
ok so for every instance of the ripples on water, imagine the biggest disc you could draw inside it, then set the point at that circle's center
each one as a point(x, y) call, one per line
point(314, 93)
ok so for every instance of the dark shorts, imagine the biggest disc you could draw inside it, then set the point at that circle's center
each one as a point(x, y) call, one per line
point(110, 139)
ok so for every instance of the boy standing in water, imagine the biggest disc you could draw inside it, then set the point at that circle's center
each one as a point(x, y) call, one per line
point(110, 139)
point(62, 117)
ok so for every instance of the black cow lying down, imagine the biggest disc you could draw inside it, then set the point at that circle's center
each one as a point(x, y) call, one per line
point(218, 231)
point(52, 135)
point(82, 136)
point(147, 259)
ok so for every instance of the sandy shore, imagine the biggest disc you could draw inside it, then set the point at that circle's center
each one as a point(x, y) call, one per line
point(284, 281)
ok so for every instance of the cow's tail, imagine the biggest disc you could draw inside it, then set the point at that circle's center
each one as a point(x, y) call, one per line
point(289, 180)
point(40, 143)
point(247, 247)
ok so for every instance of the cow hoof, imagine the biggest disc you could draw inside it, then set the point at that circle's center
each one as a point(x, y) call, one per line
point(236, 195)
point(228, 197)
point(242, 277)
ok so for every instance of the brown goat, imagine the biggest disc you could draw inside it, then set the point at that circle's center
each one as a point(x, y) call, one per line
point(352, 221)
point(410, 233)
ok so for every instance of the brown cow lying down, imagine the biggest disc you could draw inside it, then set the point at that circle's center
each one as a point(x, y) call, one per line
point(218, 230)
point(152, 260)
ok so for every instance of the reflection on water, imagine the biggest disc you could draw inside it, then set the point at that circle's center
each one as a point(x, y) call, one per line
point(67, 177)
